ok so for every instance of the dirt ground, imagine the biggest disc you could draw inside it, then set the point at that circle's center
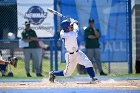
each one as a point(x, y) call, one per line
point(104, 84)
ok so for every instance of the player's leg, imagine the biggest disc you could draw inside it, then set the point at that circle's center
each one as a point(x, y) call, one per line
point(98, 61)
point(83, 60)
point(70, 66)
point(2, 65)
point(37, 58)
point(3, 69)
point(90, 55)
point(27, 56)
point(38, 53)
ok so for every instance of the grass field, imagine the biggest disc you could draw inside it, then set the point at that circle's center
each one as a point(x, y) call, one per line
point(19, 72)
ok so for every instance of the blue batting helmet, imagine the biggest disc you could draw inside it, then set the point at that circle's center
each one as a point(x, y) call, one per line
point(65, 24)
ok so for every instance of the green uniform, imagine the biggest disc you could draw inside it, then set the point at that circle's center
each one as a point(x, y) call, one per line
point(33, 52)
point(28, 34)
point(91, 43)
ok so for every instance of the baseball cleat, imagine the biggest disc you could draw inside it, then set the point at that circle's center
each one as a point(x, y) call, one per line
point(28, 75)
point(39, 75)
point(103, 74)
point(51, 77)
point(94, 80)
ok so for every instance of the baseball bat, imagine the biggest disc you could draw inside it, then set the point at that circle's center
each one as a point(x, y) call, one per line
point(56, 13)
point(59, 14)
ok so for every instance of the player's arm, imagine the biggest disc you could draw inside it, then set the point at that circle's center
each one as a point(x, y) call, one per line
point(62, 35)
point(88, 35)
point(34, 37)
point(13, 62)
point(27, 40)
point(24, 38)
point(92, 37)
point(75, 25)
point(2, 61)
point(97, 34)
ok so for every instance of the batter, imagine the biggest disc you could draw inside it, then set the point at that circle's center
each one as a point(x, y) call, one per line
point(73, 56)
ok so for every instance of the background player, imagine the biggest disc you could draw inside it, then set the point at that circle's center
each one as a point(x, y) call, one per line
point(33, 51)
point(11, 60)
point(73, 56)
point(92, 45)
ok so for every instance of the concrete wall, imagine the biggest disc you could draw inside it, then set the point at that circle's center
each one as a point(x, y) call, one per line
point(136, 31)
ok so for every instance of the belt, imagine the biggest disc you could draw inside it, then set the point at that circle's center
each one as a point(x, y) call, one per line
point(73, 52)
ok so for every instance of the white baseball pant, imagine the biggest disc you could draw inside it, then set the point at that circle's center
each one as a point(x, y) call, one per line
point(73, 59)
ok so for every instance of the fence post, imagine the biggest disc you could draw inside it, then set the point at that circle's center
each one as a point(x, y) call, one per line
point(55, 37)
point(130, 36)
point(51, 54)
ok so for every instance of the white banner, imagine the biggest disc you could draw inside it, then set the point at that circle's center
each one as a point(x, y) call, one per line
point(36, 12)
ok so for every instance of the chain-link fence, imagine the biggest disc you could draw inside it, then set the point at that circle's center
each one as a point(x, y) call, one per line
point(9, 41)
point(111, 18)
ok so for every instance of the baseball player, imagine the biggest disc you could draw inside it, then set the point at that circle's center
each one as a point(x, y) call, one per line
point(12, 61)
point(73, 56)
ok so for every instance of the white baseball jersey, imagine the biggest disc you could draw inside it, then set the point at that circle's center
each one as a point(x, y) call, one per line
point(70, 39)
point(72, 56)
